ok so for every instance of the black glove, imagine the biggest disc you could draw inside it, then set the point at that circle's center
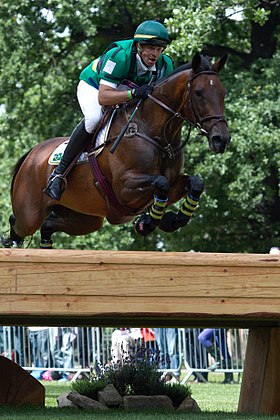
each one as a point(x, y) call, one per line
point(142, 91)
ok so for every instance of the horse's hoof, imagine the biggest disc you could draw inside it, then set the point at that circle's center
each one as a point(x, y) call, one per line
point(144, 225)
point(171, 221)
point(168, 222)
point(10, 243)
point(18, 244)
point(46, 244)
point(6, 242)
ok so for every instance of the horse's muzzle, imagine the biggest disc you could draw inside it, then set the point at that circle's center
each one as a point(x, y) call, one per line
point(219, 143)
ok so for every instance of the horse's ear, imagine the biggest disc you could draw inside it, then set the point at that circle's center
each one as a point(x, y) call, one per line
point(219, 64)
point(196, 61)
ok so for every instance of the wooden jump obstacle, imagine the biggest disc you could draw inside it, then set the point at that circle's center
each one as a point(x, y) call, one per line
point(180, 289)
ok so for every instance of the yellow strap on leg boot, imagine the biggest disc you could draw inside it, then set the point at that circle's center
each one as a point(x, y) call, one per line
point(157, 209)
point(189, 205)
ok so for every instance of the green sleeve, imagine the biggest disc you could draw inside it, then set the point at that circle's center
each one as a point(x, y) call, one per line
point(115, 66)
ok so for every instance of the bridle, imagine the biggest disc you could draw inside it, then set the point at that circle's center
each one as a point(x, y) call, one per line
point(200, 120)
point(196, 121)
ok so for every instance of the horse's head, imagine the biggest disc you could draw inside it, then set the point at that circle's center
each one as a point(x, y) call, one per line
point(206, 101)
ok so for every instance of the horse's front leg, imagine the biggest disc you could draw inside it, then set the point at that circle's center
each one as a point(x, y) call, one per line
point(147, 222)
point(173, 221)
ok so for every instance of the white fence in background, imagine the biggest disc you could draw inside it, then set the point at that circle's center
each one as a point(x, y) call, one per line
point(67, 350)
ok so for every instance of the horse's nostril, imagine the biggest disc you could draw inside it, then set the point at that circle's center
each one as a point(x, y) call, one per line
point(218, 144)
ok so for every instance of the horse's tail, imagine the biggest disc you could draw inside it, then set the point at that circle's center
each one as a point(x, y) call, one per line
point(16, 167)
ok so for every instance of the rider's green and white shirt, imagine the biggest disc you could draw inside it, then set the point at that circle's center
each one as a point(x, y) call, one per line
point(114, 66)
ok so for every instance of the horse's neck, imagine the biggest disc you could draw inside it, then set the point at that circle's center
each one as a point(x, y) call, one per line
point(170, 92)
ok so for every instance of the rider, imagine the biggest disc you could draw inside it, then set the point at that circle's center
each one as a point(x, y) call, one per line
point(135, 60)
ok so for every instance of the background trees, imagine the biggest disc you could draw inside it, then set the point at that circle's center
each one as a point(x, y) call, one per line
point(44, 45)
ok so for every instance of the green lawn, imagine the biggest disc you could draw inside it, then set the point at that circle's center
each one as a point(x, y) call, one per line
point(217, 402)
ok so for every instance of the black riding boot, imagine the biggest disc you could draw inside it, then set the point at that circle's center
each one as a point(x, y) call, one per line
point(228, 378)
point(77, 142)
point(215, 353)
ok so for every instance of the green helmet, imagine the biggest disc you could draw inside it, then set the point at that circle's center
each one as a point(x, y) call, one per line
point(153, 33)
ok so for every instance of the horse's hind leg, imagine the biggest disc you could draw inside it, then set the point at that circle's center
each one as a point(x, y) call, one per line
point(62, 219)
point(173, 221)
point(13, 240)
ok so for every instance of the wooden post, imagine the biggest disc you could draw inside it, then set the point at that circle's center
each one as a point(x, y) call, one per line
point(261, 377)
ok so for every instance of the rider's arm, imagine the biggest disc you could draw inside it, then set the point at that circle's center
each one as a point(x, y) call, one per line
point(110, 96)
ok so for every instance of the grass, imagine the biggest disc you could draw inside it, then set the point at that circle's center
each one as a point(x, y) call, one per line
point(217, 402)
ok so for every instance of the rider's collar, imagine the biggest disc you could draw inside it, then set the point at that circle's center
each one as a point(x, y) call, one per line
point(142, 68)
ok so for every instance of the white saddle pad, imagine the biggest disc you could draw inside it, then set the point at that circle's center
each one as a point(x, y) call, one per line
point(101, 138)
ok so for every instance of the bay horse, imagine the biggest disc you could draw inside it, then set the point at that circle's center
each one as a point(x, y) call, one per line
point(144, 172)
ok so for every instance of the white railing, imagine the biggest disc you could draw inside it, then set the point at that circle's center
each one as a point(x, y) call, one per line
point(71, 352)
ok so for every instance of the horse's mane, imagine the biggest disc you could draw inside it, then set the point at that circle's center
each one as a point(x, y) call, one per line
point(204, 66)
point(16, 167)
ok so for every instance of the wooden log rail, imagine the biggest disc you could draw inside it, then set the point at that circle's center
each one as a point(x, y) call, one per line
point(179, 289)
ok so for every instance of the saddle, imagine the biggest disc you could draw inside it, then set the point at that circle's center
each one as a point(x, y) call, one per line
point(96, 144)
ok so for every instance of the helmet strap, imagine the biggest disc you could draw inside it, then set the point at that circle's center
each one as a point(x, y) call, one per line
point(139, 47)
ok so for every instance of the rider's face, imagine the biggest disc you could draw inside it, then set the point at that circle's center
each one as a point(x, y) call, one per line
point(149, 53)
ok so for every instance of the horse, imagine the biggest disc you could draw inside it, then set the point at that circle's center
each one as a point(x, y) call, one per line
point(142, 177)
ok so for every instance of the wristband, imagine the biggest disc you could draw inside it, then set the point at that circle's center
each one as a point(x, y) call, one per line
point(129, 94)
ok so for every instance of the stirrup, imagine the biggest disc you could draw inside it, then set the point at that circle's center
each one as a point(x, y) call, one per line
point(53, 176)
point(53, 191)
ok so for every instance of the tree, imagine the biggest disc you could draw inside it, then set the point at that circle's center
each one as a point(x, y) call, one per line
point(45, 44)
point(245, 29)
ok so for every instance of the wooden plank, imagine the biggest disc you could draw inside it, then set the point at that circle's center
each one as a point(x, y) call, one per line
point(137, 257)
point(187, 287)
point(152, 282)
point(144, 310)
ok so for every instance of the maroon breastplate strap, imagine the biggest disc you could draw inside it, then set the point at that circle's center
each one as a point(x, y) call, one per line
point(105, 187)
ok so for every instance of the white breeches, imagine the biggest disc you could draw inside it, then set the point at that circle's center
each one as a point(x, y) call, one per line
point(88, 99)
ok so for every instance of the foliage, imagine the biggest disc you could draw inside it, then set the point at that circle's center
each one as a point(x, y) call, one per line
point(88, 388)
point(45, 44)
point(177, 393)
point(197, 24)
point(137, 374)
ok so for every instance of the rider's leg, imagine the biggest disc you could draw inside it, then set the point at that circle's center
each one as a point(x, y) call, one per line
point(57, 182)
point(88, 100)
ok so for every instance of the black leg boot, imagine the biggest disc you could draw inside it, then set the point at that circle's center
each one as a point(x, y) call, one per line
point(57, 182)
